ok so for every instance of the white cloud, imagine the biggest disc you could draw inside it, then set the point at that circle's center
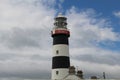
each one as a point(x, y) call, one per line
point(117, 14)
point(86, 28)
point(24, 38)
point(25, 41)
point(87, 31)
point(22, 14)
point(95, 55)
point(94, 69)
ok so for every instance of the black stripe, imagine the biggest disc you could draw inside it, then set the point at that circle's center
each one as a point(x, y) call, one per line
point(60, 62)
point(60, 39)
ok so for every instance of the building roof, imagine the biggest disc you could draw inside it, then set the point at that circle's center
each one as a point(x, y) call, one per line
point(72, 77)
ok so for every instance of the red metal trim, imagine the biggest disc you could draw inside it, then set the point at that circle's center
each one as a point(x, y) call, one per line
point(60, 32)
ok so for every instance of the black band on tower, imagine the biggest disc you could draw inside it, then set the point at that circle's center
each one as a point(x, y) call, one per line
point(60, 62)
point(60, 39)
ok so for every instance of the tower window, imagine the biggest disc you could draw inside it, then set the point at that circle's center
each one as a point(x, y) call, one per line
point(57, 72)
point(57, 52)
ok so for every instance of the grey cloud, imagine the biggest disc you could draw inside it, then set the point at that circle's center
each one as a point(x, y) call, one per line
point(6, 56)
point(38, 57)
point(36, 74)
point(25, 69)
point(18, 65)
point(20, 38)
point(110, 59)
point(12, 56)
point(26, 75)
point(84, 38)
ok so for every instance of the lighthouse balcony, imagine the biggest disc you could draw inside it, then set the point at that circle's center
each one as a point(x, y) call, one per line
point(60, 31)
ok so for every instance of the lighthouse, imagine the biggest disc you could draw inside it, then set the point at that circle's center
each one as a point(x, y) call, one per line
point(60, 58)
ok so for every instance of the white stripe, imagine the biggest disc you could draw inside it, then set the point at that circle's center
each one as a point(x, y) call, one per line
point(60, 50)
point(62, 73)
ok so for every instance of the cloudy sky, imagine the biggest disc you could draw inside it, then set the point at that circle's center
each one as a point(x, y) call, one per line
point(26, 43)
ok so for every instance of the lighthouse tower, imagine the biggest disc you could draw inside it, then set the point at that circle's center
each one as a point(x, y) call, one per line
point(60, 58)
